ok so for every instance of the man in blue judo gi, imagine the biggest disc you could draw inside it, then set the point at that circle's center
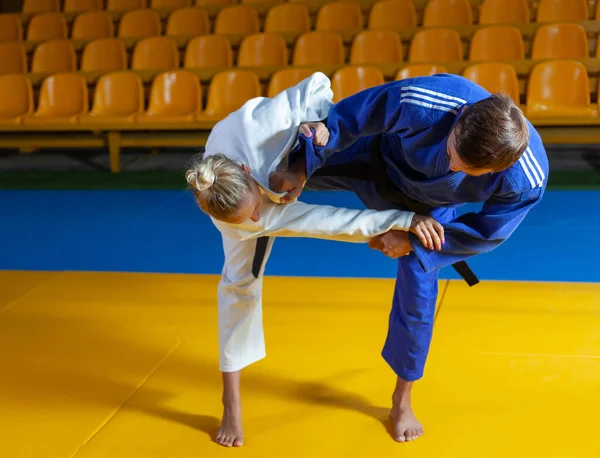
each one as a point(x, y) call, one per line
point(429, 145)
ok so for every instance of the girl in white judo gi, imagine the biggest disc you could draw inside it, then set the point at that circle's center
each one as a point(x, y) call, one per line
point(230, 183)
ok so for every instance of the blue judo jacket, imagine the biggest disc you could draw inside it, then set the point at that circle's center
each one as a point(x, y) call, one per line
point(415, 117)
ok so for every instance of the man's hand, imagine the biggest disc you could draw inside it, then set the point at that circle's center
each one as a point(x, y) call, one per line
point(393, 244)
point(290, 182)
point(321, 132)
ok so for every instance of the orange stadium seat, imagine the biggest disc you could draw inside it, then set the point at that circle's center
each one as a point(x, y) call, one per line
point(376, 46)
point(559, 88)
point(140, 23)
point(191, 21)
point(250, 2)
point(214, 2)
point(10, 28)
point(414, 70)
point(13, 58)
point(495, 77)
point(499, 42)
point(286, 78)
point(560, 41)
point(93, 25)
point(158, 4)
point(41, 6)
point(63, 98)
point(76, 6)
point(174, 97)
point(228, 91)
point(339, 16)
point(350, 80)
point(315, 48)
point(562, 10)
point(393, 14)
point(125, 5)
point(54, 56)
point(263, 49)
point(238, 19)
point(288, 17)
point(107, 55)
point(118, 98)
point(47, 26)
point(435, 45)
point(16, 94)
point(447, 13)
point(504, 12)
point(208, 51)
point(155, 53)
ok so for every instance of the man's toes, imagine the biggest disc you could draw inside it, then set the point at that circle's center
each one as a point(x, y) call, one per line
point(238, 442)
point(400, 438)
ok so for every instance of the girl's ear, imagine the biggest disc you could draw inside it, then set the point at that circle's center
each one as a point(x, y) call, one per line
point(245, 169)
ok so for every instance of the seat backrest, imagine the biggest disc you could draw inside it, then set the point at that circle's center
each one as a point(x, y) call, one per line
point(170, 3)
point(263, 49)
point(448, 13)
point(61, 95)
point(190, 21)
point(214, 2)
point(118, 94)
point(376, 46)
point(140, 23)
point(93, 25)
point(125, 5)
point(499, 42)
point(414, 70)
point(155, 53)
point(10, 28)
point(495, 77)
point(504, 12)
point(72, 6)
point(54, 56)
point(16, 94)
point(41, 6)
point(288, 17)
point(393, 14)
point(47, 26)
point(435, 45)
point(13, 58)
point(175, 93)
point(314, 48)
point(240, 19)
point(559, 85)
point(284, 79)
point(229, 90)
point(351, 80)
point(208, 51)
point(560, 41)
point(562, 10)
point(339, 16)
point(107, 55)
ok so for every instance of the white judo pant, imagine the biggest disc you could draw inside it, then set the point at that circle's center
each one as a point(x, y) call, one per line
point(241, 334)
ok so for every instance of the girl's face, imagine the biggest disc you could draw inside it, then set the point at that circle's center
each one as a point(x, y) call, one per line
point(250, 208)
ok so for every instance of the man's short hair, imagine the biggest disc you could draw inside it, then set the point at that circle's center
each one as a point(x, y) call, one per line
point(491, 134)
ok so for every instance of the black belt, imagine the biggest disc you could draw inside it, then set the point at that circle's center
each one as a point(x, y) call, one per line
point(377, 172)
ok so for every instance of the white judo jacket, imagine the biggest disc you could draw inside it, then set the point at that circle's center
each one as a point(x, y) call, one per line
point(260, 135)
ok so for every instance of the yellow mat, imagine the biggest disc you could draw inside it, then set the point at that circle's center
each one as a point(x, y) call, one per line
point(101, 365)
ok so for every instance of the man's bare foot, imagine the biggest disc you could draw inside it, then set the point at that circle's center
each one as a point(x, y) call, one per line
point(230, 434)
point(406, 426)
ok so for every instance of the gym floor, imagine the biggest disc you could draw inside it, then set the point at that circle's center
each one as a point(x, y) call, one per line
point(108, 337)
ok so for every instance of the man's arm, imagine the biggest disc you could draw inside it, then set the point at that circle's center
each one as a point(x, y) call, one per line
point(475, 233)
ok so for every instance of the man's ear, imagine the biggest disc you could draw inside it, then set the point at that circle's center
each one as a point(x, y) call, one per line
point(245, 169)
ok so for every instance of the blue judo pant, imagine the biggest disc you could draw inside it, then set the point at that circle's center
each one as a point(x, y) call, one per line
point(413, 306)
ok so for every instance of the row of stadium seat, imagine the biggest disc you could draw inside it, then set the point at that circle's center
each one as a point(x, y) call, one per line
point(556, 41)
point(295, 17)
point(556, 88)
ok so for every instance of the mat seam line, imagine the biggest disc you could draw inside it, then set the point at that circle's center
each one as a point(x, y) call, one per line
point(441, 300)
point(126, 400)
point(30, 291)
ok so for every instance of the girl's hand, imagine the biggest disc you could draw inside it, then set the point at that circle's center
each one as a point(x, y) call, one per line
point(321, 132)
point(429, 231)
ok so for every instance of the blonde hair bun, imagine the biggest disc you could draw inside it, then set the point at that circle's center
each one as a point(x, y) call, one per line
point(202, 176)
